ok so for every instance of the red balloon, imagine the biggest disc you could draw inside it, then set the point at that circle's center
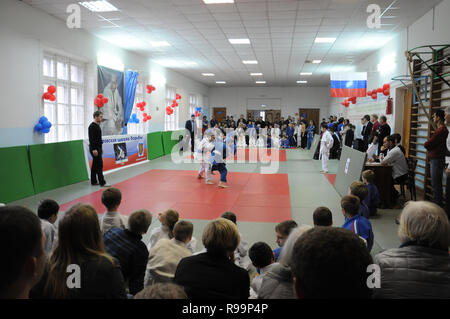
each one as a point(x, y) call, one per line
point(386, 92)
point(145, 114)
point(52, 98)
point(374, 96)
point(101, 96)
point(143, 103)
point(105, 100)
point(149, 117)
point(386, 86)
point(46, 96)
point(51, 89)
point(380, 90)
point(145, 119)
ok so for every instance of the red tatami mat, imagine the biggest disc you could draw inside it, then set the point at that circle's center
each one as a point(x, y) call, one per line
point(331, 178)
point(263, 155)
point(252, 197)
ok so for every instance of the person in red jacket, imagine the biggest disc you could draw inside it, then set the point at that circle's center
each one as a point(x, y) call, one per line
point(436, 147)
point(376, 125)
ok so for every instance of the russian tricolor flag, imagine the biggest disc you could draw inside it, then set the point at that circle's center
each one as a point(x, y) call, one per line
point(348, 84)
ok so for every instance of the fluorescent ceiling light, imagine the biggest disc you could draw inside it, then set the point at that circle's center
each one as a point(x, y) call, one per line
point(239, 41)
point(302, 81)
point(217, 1)
point(305, 73)
point(260, 82)
point(256, 74)
point(324, 40)
point(250, 62)
point(191, 63)
point(316, 61)
point(208, 74)
point(157, 44)
point(221, 82)
point(98, 6)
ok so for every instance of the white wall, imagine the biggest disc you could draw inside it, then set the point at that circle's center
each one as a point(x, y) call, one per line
point(25, 33)
point(292, 98)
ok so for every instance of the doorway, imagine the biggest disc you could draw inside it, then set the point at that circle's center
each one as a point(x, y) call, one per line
point(311, 114)
point(220, 113)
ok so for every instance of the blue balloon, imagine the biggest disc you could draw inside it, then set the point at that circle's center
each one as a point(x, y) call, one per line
point(46, 130)
point(38, 127)
point(47, 124)
point(136, 121)
point(43, 119)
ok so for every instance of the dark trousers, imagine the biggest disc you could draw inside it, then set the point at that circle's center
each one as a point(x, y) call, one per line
point(222, 170)
point(437, 167)
point(192, 142)
point(397, 181)
point(97, 169)
point(447, 197)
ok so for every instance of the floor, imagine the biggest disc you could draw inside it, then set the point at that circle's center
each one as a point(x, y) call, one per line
point(260, 201)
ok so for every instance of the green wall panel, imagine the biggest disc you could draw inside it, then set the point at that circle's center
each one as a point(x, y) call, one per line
point(57, 164)
point(154, 145)
point(168, 142)
point(15, 175)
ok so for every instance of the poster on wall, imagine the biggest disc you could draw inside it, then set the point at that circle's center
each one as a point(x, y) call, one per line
point(120, 151)
point(110, 84)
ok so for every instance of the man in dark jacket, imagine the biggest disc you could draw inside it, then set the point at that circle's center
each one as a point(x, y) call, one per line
point(383, 131)
point(192, 127)
point(95, 148)
point(366, 131)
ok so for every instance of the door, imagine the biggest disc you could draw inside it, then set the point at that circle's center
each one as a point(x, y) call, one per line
point(220, 113)
point(312, 114)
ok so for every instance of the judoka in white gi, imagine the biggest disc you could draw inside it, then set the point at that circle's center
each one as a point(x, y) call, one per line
point(205, 146)
point(326, 143)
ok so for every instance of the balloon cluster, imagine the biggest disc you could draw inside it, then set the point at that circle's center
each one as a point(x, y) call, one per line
point(100, 100)
point(147, 117)
point(174, 103)
point(386, 90)
point(43, 126)
point(133, 119)
point(198, 111)
point(141, 105)
point(169, 110)
point(346, 102)
point(150, 88)
point(49, 95)
point(177, 96)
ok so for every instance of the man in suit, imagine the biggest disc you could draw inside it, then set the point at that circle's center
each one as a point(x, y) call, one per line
point(366, 131)
point(192, 127)
point(383, 131)
point(241, 120)
point(95, 148)
point(213, 121)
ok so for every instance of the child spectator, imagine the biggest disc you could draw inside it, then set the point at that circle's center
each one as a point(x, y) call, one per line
point(322, 216)
point(262, 258)
point(285, 141)
point(111, 198)
point(360, 190)
point(48, 213)
point(241, 258)
point(283, 230)
point(355, 222)
point(373, 197)
point(168, 219)
point(290, 131)
point(126, 245)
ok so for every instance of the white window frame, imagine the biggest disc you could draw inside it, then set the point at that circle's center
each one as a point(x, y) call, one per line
point(141, 127)
point(61, 132)
point(171, 121)
point(193, 104)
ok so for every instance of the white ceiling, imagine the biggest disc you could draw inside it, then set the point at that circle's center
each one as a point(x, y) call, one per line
point(281, 33)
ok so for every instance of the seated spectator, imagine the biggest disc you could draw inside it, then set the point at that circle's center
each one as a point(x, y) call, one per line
point(162, 291)
point(285, 141)
point(372, 150)
point(420, 267)
point(167, 253)
point(372, 200)
point(80, 243)
point(360, 190)
point(213, 274)
point(241, 258)
point(322, 216)
point(168, 219)
point(330, 263)
point(283, 230)
point(111, 198)
point(354, 221)
point(277, 282)
point(127, 247)
point(48, 213)
point(23, 252)
point(262, 258)
point(397, 141)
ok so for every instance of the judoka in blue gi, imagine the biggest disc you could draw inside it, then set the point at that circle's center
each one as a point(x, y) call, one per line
point(219, 154)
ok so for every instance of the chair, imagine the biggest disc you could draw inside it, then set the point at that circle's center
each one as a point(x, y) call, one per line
point(410, 181)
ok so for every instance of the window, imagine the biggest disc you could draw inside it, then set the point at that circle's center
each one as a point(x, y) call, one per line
point(66, 113)
point(193, 104)
point(171, 121)
point(141, 127)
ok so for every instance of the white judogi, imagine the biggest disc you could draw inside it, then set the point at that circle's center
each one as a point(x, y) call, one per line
point(241, 138)
point(275, 136)
point(200, 154)
point(326, 143)
point(252, 137)
point(261, 142)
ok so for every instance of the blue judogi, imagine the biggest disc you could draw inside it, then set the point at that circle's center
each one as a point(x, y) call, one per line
point(310, 135)
point(290, 133)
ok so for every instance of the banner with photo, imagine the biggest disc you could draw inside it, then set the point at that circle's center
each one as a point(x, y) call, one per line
point(119, 151)
point(111, 85)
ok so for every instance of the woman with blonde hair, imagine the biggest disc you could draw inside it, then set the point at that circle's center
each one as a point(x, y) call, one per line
point(213, 274)
point(420, 267)
point(79, 266)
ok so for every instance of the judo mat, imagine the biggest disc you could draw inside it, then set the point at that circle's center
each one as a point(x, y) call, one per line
point(253, 197)
point(255, 155)
point(331, 178)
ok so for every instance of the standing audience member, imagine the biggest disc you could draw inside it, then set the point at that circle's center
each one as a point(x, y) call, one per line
point(372, 200)
point(322, 216)
point(23, 252)
point(241, 257)
point(96, 150)
point(447, 163)
point(375, 125)
point(127, 247)
point(262, 258)
point(350, 135)
point(330, 263)
point(277, 283)
point(436, 147)
point(162, 291)
point(361, 191)
point(383, 131)
point(326, 143)
point(354, 222)
point(80, 243)
point(420, 267)
point(48, 213)
point(213, 274)
point(191, 129)
point(366, 132)
point(167, 253)
point(282, 231)
point(111, 199)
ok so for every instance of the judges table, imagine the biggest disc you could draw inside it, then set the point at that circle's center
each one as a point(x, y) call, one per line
point(383, 181)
